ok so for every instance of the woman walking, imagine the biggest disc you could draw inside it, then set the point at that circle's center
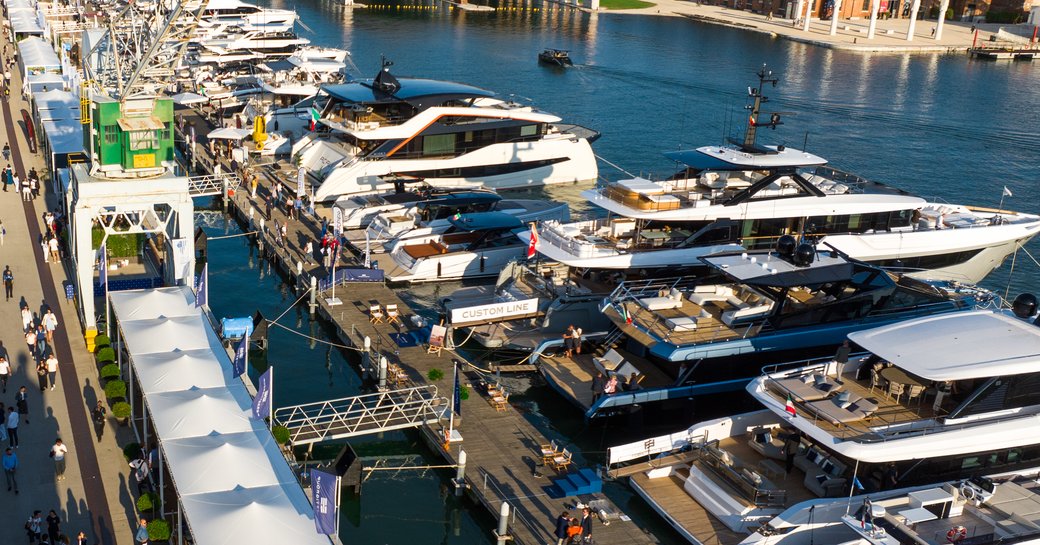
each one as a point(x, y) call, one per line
point(41, 374)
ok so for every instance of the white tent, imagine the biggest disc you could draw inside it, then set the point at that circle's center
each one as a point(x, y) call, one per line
point(202, 411)
point(56, 105)
point(229, 133)
point(35, 83)
point(24, 22)
point(230, 517)
point(63, 136)
point(188, 98)
point(151, 304)
point(168, 335)
point(177, 371)
point(38, 57)
point(226, 461)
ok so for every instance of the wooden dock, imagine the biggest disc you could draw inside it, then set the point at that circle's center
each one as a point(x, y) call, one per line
point(1005, 53)
point(502, 447)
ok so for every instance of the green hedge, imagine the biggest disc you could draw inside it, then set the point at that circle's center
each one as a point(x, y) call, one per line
point(115, 389)
point(121, 409)
point(281, 434)
point(101, 341)
point(131, 451)
point(109, 371)
point(128, 245)
point(106, 355)
point(149, 501)
point(434, 374)
point(158, 531)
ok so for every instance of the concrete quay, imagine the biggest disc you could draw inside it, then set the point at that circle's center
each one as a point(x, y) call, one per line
point(890, 36)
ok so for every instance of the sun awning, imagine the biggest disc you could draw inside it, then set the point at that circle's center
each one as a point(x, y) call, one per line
point(229, 133)
point(226, 461)
point(188, 98)
point(143, 123)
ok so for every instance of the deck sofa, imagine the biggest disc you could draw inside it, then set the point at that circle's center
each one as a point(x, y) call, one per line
point(671, 300)
point(823, 474)
point(810, 387)
point(844, 408)
point(767, 442)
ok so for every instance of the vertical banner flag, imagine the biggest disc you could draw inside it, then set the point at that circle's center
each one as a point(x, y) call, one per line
point(323, 488)
point(262, 401)
point(103, 268)
point(534, 242)
point(457, 399)
point(337, 220)
point(201, 287)
point(241, 355)
point(301, 178)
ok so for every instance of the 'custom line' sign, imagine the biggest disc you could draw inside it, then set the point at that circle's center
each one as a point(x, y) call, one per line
point(494, 311)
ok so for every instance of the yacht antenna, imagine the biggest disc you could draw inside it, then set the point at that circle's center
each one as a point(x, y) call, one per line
point(764, 76)
point(805, 143)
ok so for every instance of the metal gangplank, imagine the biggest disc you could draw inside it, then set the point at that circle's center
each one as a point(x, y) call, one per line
point(360, 415)
point(212, 184)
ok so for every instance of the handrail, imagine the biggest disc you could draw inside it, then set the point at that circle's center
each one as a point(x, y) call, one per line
point(537, 532)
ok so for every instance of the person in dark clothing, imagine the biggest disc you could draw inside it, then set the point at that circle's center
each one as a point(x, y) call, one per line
point(840, 359)
point(8, 282)
point(598, 382)
point(586, 523)
point(791, 442)
point(53, 526)
point(562, 523)
point(890, 479)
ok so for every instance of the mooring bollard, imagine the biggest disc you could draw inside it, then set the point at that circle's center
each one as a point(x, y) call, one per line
point(314, 294)
point(382, 372)
point(503, 524)
point(460, 474)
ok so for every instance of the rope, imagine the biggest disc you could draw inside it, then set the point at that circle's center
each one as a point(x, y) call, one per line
point(233, 236)
point(273, 322)
point(1030, 255)
point(615, 166)
point(315, 339)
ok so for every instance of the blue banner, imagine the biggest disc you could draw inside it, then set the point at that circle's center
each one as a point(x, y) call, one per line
point(238, 364)
point(457, 401)
point(262, 401)
point(201, 287)
point(103, 268)
point(326, 510)
point(352, 275)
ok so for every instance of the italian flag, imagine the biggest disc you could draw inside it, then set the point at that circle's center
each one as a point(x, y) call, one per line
point(790, 406)
point(315, 116)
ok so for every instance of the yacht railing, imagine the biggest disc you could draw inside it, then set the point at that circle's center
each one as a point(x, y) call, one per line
point(761, 496)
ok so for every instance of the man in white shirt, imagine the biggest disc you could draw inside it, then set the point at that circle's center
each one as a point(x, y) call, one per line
point(58, 452)
point(5, 372)
point(12, 427)
point(52, 368)
point(27, 318)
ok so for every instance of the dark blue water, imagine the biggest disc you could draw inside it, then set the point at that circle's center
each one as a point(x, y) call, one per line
point(941, 126)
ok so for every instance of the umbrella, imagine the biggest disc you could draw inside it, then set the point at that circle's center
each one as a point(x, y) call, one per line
point(188, 98)
point(228, 133)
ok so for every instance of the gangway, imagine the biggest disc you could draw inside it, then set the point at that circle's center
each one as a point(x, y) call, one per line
point(212, 184)
point(360, 415)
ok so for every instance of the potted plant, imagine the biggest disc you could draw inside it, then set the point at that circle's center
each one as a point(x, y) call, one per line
point(131, 451)
point(115, 389)
point(158, 531)
point(109, 371)
point(435, 374)
point(149, 502)
point(106, 355)
point(121, 412)
point(281, 435)
point(101, 341)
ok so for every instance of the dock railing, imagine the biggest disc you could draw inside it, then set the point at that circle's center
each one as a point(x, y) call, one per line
point(490, 489)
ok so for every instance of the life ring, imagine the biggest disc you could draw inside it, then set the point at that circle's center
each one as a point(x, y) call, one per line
point(957, 533)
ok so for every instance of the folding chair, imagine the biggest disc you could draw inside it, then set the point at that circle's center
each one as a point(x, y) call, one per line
point(392, 316)
point(375, 314)
point(501, 401)
point(549, 452)
point(562, 460)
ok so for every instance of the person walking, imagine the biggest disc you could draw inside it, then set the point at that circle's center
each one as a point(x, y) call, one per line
point(41, 374)
point(8, 282)
point(55, 254)
point(141, 537)
point(5, 372)
point(12, 427)
point(21, 402)
point(52, 369)
point(58, 452)
point(7, 151)
point(841, 357)
point(586, 524)
point(26, 190)
point(27, 318)
point(53, 526)
point(141, 475)
point(50, 321)
point(98, 416)
point(562, 523)
point(45, 248)
point(32, 527)
point(10, 464)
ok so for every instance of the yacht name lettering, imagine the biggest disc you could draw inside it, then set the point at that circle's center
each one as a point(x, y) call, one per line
point(497, 310)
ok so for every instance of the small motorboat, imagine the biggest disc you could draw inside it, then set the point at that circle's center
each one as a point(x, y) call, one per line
point(556, 57)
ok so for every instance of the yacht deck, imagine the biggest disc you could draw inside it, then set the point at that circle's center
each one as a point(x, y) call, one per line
point(573, 376)
point(672, 325)
point(669, 494)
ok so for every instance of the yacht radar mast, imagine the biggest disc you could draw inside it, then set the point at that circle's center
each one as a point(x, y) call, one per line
point(764, 76)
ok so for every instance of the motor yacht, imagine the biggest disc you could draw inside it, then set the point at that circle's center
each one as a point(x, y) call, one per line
point(265, 44)
point(432, 215)
point(929, 403)
point(247, 16)
point(747, 195)
point(476, 245)
point(442, 132)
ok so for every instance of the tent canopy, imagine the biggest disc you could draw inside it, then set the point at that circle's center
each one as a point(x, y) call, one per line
point(285, 510)
point(169, 335)
point(169, 302)
point(24, 21)
point(44, 82)
point(226, 461)
point(228, 133)
point(177, 371)
point(56, 99)
point(37, 55)
point(188, 98)
point(64, 137)
point(201, 411)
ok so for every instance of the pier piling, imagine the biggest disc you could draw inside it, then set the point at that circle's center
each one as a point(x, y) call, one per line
point(460, 474)
point(502, 534)
point(313, 303)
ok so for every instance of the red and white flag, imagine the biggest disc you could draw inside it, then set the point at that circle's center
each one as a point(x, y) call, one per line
point(534, 242)
point(790, 406)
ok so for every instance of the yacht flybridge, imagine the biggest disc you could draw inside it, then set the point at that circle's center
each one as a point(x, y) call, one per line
point(223, 13)
point(745, 194)
point(442, 132)
point(933, 399)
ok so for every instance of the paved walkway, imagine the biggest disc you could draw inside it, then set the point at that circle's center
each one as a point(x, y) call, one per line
point(94, 496)
point(956, 36)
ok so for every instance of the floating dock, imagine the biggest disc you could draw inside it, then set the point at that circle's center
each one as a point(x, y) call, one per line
point(1008, 53)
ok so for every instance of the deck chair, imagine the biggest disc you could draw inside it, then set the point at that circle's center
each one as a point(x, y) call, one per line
point(896, 390)
point(375, 314)
point(561, 461)
point(500, 402)
point(549, 452)
point(392, 316)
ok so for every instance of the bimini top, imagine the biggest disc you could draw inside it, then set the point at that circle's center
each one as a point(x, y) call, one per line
point(412, 90)
point(769, 269)
point(957, 346)
point(459, 197)
point(486, 221)
point(731, 158)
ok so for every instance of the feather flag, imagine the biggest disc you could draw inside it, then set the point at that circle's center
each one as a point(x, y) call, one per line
point(790, 406)
point(1007, 192)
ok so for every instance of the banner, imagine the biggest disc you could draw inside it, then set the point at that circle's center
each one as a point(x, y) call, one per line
point(337, 220)
point(262, 401)
point(202, 287)
point(437, 334)
point(301, 178)
point(457, 400)
point(238, 364)
point(324, 487)
point(103, 268)
point(183, 258)
point(352, 275)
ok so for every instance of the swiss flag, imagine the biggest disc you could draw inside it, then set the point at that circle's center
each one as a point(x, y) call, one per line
point(534, 242)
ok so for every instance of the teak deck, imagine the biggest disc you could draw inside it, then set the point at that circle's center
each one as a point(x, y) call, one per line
point(502, 447)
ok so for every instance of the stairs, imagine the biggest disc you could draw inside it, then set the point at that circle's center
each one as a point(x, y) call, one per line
point(578, 483)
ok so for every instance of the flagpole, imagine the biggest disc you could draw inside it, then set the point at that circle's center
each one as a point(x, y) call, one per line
point(451, 418)
point(270, 395)
point(852, 488)
point(339, 485)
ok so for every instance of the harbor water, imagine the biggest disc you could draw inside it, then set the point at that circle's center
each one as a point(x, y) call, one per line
point(941, 126)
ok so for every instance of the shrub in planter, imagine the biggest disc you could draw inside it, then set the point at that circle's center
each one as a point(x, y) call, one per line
point(106, 355)
point(121, 410)
point(109, 371)
point(101, 341)
point(115, 389)
point(131, 451)
point(435, 374)
point(281, 434)
point(148, 502)
point(463, 392)
point(158, 531)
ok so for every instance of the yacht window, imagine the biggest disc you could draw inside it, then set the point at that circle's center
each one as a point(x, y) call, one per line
point(529, 130)
point(438, 144)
